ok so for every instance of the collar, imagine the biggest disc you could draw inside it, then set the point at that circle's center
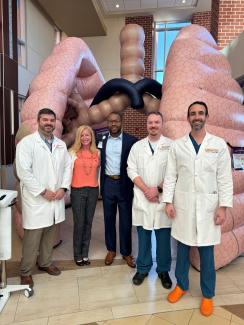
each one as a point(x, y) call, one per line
point(157, 141)
point(206, 138)
point(45, 138)
point(118, 137)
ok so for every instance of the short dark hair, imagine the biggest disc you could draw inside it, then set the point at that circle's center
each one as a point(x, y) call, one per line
point(120, 114)
point(198, 103)
point(155, 113)
point(45, 111)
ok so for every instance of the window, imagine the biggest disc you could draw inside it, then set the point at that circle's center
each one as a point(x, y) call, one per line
point(58, 35)
point(21, 35)
point(21, 100)
point(165, 34)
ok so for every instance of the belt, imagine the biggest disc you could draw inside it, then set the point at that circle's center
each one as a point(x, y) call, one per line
point(114, 177)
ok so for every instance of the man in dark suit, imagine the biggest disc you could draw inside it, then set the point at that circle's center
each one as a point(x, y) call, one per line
point(117, 189)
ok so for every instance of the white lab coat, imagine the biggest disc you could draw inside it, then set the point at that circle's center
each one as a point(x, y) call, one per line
point(198, 184)
point(151, 168)
point(38, 169)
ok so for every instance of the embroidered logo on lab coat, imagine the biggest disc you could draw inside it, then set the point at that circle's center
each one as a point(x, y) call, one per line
point(163, 147)
point(212, 150)
point(58, 146)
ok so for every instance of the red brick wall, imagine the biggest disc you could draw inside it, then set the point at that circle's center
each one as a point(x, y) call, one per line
point(134, 121)
point(203, 19)
point(227, 20)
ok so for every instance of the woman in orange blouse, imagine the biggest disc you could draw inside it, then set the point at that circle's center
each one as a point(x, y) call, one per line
point(84, 190)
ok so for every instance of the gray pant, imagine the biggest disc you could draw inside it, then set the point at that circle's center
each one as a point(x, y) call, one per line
point(83, 202)
point(37, 241)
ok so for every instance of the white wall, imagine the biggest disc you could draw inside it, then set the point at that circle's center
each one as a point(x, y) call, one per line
point(40, 38)
point(234, 53)
point(106, 49)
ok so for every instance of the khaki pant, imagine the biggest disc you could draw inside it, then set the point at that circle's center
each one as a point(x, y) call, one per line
point(37, 243)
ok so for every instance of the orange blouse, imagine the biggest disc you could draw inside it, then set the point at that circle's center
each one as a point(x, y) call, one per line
point(85, 171)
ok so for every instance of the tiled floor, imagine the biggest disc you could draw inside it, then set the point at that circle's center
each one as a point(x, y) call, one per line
point(105, 294)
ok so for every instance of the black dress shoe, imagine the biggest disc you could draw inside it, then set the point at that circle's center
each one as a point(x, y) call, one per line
point(79, 263)
point(86, 262)
point(138, 278)
point(165, 280)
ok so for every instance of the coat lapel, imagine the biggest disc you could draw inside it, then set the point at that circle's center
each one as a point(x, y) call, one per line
point(147, 147)
point(162, 143)
point(42, 143)
point(189, 145)
point(204, 144)
point(103, 154)
point(124, 143)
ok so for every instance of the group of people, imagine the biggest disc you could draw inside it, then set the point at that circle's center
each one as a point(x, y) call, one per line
point(177, 188)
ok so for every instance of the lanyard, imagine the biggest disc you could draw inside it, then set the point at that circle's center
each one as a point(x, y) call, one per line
point(150, 146)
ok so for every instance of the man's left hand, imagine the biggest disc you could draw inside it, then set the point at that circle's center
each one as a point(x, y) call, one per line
point(220, 216)
point(152, 194)
point(59, 194)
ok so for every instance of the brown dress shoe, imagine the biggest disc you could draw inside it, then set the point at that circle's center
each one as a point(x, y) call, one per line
point(27, 280)
point(130, 261)
point(109, 257)
point(52, 269)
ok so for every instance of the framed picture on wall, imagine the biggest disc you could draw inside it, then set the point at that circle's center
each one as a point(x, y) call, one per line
point(237, 154)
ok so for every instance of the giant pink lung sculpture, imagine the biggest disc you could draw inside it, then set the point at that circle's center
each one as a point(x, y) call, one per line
point(70, 78)
point(196, 70)
point(69, 71)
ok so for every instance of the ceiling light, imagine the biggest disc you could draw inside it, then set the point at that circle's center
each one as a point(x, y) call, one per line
point(183, 1)
point(117, 5)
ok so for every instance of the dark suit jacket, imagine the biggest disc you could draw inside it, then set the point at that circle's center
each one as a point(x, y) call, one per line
point(125, 182)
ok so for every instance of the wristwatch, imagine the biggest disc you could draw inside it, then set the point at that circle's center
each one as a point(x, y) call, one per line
point(43, 193)
point(160, 190)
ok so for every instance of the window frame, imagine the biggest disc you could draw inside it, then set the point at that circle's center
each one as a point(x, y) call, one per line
point(166, 28)
point(21, 32)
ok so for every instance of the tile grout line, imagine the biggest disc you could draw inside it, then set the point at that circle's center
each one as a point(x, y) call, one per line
point(170, 322)
point(191, 316)
point(112, 312)
point(134, 290)
point(147, 322)
point(77, 280)
point(16, 308)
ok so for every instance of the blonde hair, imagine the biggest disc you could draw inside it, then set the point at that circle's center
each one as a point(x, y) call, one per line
point(77, 144)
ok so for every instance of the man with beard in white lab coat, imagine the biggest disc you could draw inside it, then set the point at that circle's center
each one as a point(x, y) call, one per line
point(44, 169)
point(146, 168)
point(197, 190)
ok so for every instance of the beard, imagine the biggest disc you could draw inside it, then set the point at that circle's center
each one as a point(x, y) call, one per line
point(153, 132)
point(197, 125)
point(47, 128)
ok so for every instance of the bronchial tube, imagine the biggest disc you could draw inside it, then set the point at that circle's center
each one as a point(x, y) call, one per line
point(132, 52)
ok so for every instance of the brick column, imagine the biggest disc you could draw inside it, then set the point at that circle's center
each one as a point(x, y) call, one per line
point(203, 19)
point(227, 20)
point(135, 122)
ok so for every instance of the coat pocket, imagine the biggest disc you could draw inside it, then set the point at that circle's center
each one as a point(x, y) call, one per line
point(30, 198)
point(181, 200)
